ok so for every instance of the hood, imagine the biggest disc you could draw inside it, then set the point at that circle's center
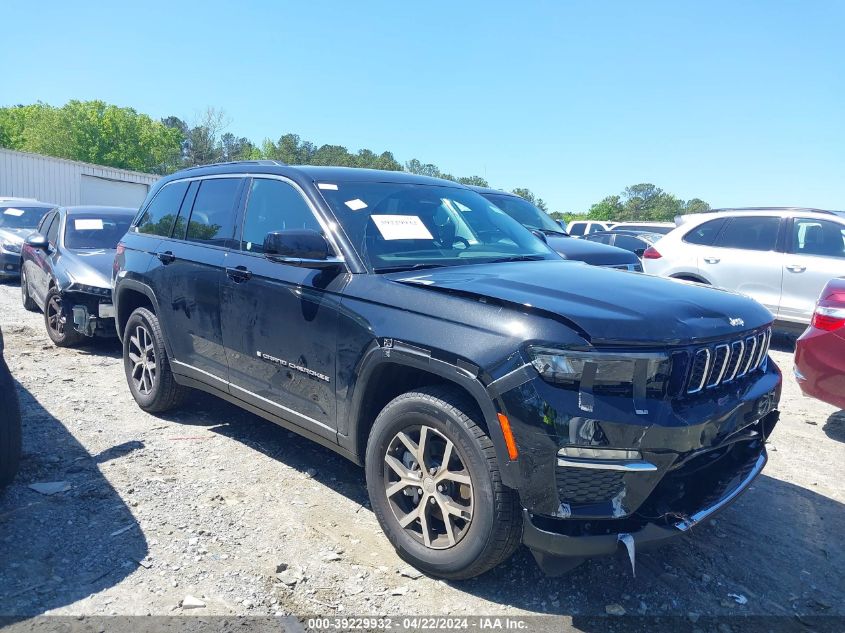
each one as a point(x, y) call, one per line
point(91, 267)
point(593, 253)
point(607, 307)
point(15, 236)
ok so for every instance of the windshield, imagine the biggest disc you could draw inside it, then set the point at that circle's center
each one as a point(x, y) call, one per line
point(525, 213)
point(101, 231)
point(398, 226)
point(21, 217)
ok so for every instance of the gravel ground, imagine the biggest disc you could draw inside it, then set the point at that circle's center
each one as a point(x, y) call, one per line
point(214, 507)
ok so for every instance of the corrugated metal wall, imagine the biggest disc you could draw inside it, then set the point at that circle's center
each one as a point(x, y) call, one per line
point(59, 181)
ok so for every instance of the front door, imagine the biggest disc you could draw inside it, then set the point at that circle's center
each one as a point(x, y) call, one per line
point(815, 255)
point(280, 321)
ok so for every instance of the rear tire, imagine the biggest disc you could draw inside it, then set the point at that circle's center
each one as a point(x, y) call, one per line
point(147, 365)
point(485, 523)
point(28, 302)
point(59, 329)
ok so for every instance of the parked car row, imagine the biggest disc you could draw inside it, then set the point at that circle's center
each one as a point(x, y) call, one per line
point(494, 392)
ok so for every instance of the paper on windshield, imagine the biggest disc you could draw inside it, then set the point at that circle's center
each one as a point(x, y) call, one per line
point(356, 204)
point(401, 227)
point(88, 224)
point(13, 212)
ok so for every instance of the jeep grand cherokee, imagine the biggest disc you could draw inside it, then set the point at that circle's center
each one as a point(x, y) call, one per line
point(494, 393)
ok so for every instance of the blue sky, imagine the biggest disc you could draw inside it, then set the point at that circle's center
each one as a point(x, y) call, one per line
point(739, 103)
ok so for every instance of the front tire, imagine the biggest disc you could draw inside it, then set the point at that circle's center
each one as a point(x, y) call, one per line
point(434, 485)
point(147, 365)
point(59, 329)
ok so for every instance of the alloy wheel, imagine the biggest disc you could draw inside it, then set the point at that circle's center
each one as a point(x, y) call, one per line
point(55, 318)
point(428, 487)
point(143, 358)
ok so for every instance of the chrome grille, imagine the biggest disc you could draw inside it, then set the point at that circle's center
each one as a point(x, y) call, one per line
point(720, 363)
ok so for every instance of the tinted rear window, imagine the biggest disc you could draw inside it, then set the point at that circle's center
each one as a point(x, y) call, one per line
point(705, 234)
point(160, 214)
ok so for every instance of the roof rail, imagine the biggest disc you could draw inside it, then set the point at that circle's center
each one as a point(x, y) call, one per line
point(276, 163)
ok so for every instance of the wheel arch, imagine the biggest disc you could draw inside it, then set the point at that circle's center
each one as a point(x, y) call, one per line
point(385, 374)
point(690, 277)
point(130, 295)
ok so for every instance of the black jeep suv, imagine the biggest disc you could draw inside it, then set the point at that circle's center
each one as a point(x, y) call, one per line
point(494, 392)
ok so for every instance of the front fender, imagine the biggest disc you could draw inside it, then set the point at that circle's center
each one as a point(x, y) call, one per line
point(463, 374)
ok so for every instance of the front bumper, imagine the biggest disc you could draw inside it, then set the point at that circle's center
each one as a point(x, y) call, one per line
point(549, 545)
point(90, 315)
point(10, 265)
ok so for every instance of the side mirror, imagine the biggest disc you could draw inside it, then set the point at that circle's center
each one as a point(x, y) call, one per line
point(299, 247)
point(38, 241)
point(540, 235)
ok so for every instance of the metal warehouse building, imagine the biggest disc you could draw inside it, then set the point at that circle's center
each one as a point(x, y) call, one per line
point(70, 182)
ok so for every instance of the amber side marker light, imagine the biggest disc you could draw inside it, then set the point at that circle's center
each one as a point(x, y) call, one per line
point(513, 453)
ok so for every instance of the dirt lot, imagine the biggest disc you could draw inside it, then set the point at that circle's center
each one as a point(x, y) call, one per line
point(211, 501)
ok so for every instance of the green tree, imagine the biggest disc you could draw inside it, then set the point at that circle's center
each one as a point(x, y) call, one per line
point(91, 131)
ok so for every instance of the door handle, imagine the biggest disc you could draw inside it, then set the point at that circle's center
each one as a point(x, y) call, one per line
point(239, 274)
point(166, 257)
point(796, 268)
point(712, 260)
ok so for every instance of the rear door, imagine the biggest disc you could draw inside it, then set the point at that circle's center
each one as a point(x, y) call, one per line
point(190, 273)
point(815, 254)
point(745, 258)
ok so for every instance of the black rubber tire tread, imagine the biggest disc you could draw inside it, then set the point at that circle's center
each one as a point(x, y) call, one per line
point(28, 302)
point(10, 426)
point(167, 393)
point(506, 534)
point(71, 337)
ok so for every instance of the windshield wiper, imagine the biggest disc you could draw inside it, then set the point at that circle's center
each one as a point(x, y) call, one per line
point(517, 258)
point(551, 232)
point(399, 269)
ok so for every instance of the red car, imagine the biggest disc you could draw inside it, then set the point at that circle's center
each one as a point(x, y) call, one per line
point(820, 352)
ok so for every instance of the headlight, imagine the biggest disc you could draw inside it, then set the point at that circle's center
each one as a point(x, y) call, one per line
point(91, 290)
point(10, 247)
point(632, 375)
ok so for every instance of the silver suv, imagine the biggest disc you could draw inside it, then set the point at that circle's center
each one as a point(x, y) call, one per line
point(782, 257)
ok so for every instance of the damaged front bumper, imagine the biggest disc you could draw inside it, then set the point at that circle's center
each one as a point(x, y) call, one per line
point(589, 480)
point(91, 314)
point(559, 544)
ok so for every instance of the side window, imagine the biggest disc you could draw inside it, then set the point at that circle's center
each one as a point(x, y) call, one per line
point(577, 228)
point(705, 234)
point(160, 214)
point(751, 233)
point(182, 219)
point(603, 239)
point(44, 224)
point(213, 215)
point(53, 231)
point(274, 205)
point(817, 237)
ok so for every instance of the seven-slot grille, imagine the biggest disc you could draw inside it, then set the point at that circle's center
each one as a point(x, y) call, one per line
point(722, 363)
